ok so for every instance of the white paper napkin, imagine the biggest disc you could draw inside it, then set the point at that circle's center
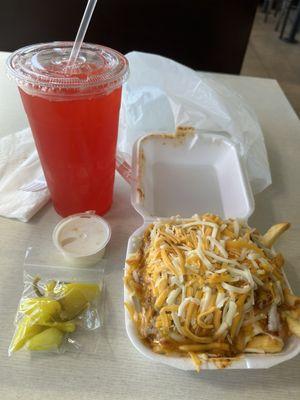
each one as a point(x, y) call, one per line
point(23, 191)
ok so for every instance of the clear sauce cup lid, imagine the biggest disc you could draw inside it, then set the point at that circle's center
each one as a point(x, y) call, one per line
point(43, 68)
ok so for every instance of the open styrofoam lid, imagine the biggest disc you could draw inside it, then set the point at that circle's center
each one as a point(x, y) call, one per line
point(189, 172)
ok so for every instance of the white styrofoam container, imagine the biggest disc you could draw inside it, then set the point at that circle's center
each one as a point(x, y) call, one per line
point(192, 172)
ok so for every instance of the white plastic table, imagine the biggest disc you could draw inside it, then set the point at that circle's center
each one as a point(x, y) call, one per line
point(116, 370)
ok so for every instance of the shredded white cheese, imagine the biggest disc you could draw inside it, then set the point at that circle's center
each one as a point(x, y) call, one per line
point(255, 265)
point(173, 296)
point(220, 271)
point(200, 222)
point(169, 231)
point(201, 255)
point(215, 231)
point(219, 258)
point(235, 289)
point(222, 227)
point(175, 336)
point(257, 280)
point(192, 267)
point(215, 243)
point(135, 276)
point(243, 254)
point(174, 281)
point(159, 280)
point(273, 318)
point(222, 329)
point(230, 313)
point(177, 323)
point(221, 299)
point(280, 291)
point(252, 256)
point(241, 273)
point(185, 302)
point(205, 301)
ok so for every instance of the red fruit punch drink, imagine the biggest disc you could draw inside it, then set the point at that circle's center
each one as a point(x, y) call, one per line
point(73, 114)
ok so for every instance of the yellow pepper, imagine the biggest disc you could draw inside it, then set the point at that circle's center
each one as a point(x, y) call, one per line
point(49, 339)
point(40, 309)
point(67, 326)
point(25, 330)
point(75, 298)
point(46, 319)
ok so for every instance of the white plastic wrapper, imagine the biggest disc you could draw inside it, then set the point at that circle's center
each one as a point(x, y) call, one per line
point(161, 95)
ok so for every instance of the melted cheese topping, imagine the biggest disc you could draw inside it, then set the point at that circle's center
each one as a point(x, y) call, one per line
point(205, 285)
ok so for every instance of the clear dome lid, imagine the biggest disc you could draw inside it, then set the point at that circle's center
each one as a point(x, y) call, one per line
point(43, 68)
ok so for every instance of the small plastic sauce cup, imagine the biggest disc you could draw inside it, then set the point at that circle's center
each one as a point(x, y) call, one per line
point(82, 238)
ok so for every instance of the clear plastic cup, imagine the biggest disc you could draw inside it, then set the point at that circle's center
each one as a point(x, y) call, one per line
point(73, 114)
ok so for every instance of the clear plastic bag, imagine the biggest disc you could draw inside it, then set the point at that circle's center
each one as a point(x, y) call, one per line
point(161, 95)
point(60, 309)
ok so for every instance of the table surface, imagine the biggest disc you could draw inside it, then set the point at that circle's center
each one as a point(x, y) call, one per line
point(116, 370)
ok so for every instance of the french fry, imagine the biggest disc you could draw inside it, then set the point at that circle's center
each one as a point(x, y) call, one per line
point(265, 343)
point(240, 341)
point(196, 360)
point(290, 298)
point(204, 347)
point(294, 313)
point(294, 325)
point(269, 238)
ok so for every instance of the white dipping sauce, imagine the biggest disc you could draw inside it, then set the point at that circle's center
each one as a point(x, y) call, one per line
point(82, 238)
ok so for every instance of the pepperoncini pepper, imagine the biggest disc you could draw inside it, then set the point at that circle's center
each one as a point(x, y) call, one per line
point(75, 298)
point(25, 331)
point(49, 339)
point(40, 309)
point(49, 316)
